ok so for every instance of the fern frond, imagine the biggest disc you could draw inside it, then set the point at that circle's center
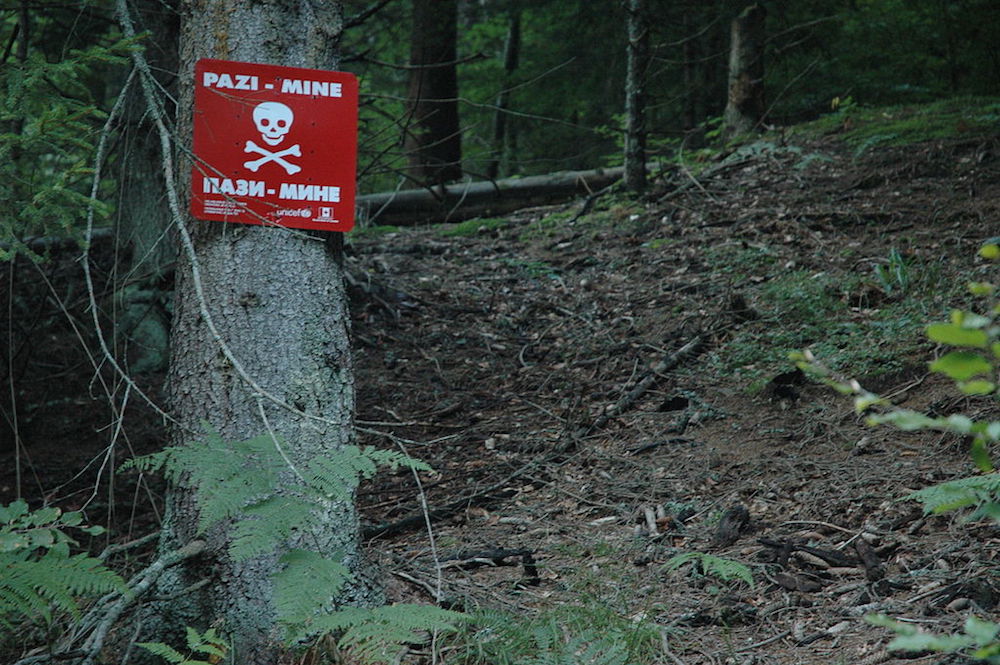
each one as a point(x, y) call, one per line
point(568, 635)
point(304, 587)
point(336, 475)
point(961, 493)
point(164, 651)
point(724, 569)
point(266, 523)
point(29, 587)
point(375, 634)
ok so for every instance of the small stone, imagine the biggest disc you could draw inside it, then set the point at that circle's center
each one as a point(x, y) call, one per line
point(839, 628)
point(958, 604)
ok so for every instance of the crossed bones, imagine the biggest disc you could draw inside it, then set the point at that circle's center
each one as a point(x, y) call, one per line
point(269, 156)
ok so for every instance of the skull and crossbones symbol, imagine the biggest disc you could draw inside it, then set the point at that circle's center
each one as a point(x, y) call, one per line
point(273, 120)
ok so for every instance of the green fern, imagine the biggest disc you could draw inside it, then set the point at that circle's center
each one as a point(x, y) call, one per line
point(210, 644)
point(237, 480)
point(37, 573)
point(31, 587)
point(726, 570)
point(568, 635)
point(228, 476)
point(304, 585)
point(332, 474)
point(980, 491)
point(266, 523)
point(375, 635)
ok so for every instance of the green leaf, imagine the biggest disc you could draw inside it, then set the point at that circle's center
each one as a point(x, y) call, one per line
point(981, 455)
point(905, 420)
point(72, 518)
point(11, 512)
point(10, 542)
point(929, 642)
point(981, 288)
point(983, 632)
point(990, 251)
point(960, 423)
point(992, 431)
point(42, 537)
point(961, 365)
point(163, 651)
point(192, 636)
point(44, 516)
point(956, 335)
point(977, 387)
point(865, 401)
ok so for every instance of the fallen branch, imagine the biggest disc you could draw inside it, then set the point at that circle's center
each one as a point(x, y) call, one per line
point(452, 203)
point(645, 384)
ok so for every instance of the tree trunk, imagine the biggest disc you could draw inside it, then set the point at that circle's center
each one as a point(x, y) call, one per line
point(277, 299)
point(693, 112)
point(454, 203)
point(745, 108)
point(635, 96)
point(511, 57)
point(143, 223)
point(433, 140)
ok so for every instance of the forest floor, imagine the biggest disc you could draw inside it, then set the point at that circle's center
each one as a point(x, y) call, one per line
point(600, 393)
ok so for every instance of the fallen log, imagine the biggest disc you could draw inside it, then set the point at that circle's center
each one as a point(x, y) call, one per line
point(457, 202)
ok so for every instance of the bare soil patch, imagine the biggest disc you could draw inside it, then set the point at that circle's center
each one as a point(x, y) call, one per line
point(507, 357)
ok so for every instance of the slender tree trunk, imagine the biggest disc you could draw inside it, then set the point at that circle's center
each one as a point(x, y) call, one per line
point(277, 299)
point(511, 58)
point(745, 108)
point(693, 113)
point(635, 96)
point(143, 224)
point(433, 140)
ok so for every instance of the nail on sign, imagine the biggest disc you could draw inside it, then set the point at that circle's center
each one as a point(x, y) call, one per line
point(274, 145)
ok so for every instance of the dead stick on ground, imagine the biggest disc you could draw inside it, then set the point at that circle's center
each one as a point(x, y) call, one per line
point(645, 384)
point(449, 509)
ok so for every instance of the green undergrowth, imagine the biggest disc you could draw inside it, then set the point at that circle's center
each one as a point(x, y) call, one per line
point(470, 227)
point(588, 634)
point(853, 321)
point(864, 128)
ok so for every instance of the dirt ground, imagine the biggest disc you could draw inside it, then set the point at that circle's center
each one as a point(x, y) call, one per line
point(565, 377)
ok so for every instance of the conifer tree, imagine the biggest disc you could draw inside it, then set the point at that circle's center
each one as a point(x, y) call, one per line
point(259, 347)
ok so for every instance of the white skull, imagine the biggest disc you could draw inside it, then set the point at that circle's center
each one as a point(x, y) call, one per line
point(273, 121)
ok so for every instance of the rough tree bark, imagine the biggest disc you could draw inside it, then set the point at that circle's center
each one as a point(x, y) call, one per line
point(635, 95)
point(745, 107)
point(277, 299)
point(433, 140)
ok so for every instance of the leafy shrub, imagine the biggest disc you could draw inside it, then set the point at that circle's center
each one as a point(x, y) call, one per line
point(973, 363)
point(51, 123)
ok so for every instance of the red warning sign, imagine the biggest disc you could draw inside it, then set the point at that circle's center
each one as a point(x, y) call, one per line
point(274, 145)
